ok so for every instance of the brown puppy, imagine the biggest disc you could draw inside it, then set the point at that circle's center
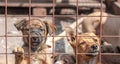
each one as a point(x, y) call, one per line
point(86, 43)
point(38, 31)
point(64, 59)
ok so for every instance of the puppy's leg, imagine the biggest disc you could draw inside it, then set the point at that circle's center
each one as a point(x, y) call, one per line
point(19, 56)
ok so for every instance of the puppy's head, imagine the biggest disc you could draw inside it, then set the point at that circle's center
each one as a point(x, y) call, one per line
point(85, 43)
point(37, 30)
point(64, 59)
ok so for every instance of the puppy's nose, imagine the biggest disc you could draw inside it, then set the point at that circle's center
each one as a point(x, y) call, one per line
point(35, 39)
point(94, 47)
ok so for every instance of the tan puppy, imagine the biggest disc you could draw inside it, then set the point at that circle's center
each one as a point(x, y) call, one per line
point(110, 26)
point(38, 31)
point(86, 43)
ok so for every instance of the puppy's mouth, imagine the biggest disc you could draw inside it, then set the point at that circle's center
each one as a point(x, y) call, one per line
point(36, 43)
point(92, 53)
point(36, 40)
point(93, 50)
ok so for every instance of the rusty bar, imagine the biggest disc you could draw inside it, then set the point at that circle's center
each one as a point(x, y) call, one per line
point(116, 16)
point(27, 53)
point(60, 36)
point(76, 31)
point(101, 10)
point(29, 15)
point(77, 53)
point(6, 30)
point(53, 20)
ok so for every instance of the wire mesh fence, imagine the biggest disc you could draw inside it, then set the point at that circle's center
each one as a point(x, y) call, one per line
point(58, 32)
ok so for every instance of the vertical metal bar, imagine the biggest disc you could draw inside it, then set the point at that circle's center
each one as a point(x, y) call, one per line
point(29, 52)
point(101, 10)
point(6, 30)
point(53, 20)
point(77, 31)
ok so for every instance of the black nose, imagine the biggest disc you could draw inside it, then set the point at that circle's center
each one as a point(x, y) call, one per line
point(94, 47)
point(35, 39)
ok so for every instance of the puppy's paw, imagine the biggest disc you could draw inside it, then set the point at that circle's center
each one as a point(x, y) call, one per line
point(18, 51)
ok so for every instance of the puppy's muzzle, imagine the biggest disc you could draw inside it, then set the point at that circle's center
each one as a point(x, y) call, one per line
point(93, 51)
point(36, 38)
point(94, 48)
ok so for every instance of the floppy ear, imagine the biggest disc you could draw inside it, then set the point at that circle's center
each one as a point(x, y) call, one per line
point(20, 24)
point(71, 35)
point(50, 27)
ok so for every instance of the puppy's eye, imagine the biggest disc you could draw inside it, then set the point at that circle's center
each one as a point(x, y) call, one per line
point(42, 29)
point(95, 39)
point(83, 42)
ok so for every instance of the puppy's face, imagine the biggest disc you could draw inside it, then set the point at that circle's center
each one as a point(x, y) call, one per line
point(88, 43)
point(64, 59)
point(85, 43)
point(37, 30)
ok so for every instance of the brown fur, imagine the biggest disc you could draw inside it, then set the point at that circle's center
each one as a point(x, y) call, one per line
point(25, 25)
point(20, 56)
point(41, 47)
point(39, 58)
point(84, 42)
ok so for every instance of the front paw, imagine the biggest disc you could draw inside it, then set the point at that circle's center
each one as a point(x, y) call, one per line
point(18, 51)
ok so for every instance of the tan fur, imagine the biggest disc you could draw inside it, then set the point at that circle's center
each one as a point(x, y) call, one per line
point(36, 58)
point(89, 39)
point(92, 20)
point(20, 56)
point(91, 23)
point(110, 26)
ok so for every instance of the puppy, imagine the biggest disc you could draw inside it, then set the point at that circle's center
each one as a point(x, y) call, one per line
point(91, 23)
point(87, 45)
point(64, 59)
point(37, 32)
point(110, 26)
